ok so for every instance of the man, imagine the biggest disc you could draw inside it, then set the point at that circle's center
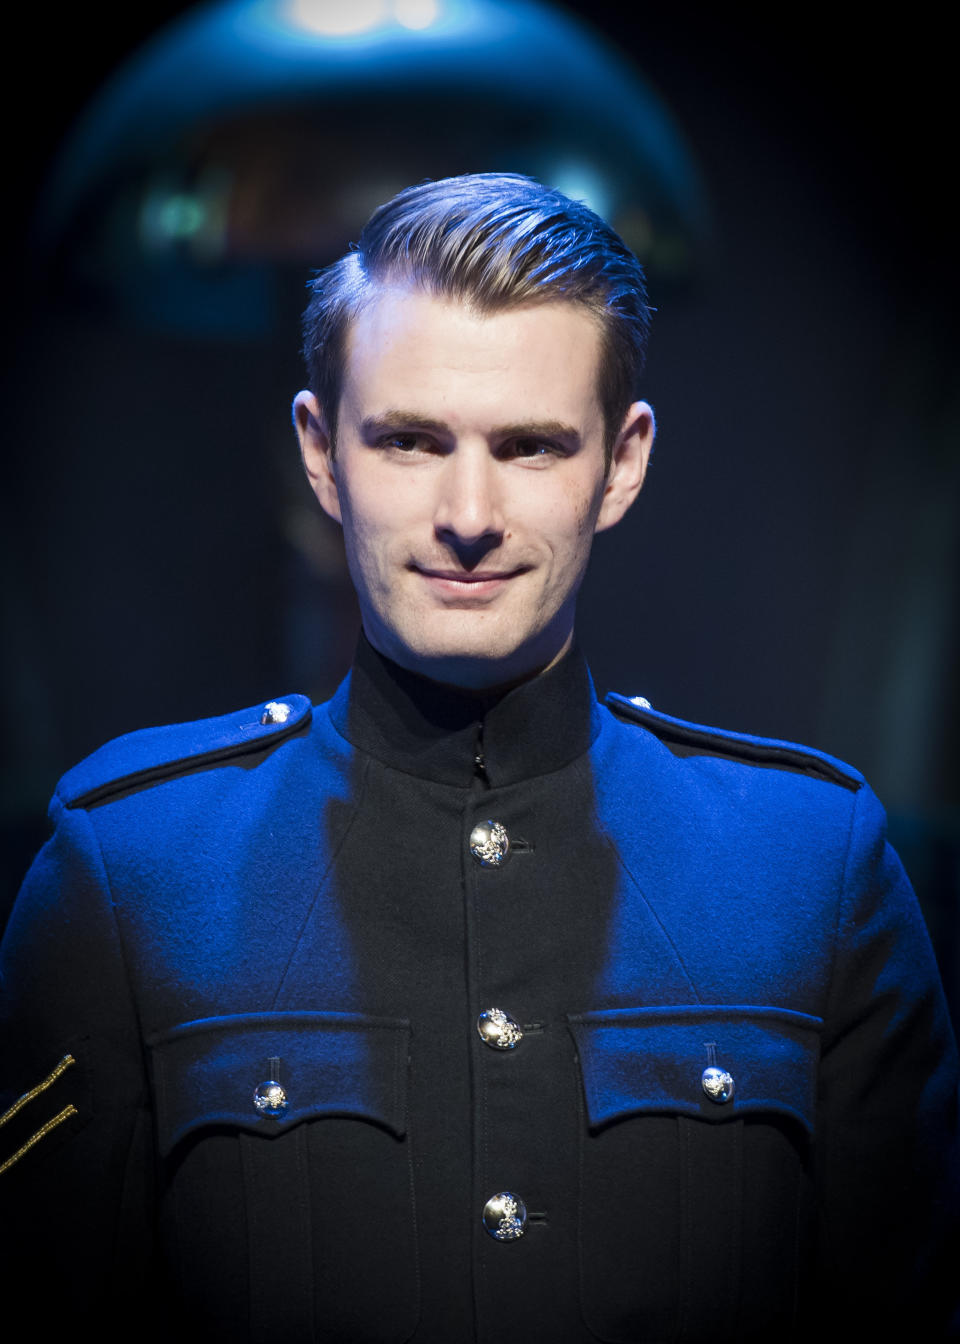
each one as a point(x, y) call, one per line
point(460, 1008)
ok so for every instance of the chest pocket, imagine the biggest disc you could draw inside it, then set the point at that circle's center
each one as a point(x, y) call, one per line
point(695, 1183)
point(287, 1208)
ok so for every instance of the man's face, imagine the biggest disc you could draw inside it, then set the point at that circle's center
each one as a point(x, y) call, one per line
point(469, 479)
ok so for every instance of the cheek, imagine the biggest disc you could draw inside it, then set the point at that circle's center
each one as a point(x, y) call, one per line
point(586, 517)
point(569, 536)
point(361, 540)
point(365, 517)
point(574, 516)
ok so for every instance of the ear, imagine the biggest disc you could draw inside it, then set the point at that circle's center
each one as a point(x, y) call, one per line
point(628, 464)
point(316, 452)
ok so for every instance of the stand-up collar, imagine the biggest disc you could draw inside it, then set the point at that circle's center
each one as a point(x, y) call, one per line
point(431, 730)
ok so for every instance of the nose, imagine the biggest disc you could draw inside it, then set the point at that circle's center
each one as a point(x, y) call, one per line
point(469, 512)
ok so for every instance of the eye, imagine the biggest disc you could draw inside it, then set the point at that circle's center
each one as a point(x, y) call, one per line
point(531, 450)
point(401, 443)
point(406, 443)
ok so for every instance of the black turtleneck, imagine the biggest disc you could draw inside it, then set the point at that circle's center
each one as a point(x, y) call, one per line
point(432, 730)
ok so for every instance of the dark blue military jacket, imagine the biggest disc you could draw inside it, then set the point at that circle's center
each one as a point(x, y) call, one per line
point(245, 1093)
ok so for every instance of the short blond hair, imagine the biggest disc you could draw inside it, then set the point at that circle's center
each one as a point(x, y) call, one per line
point(494, 241)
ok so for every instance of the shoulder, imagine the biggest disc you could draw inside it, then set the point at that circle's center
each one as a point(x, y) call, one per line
point(154, 754)
point(684, 738)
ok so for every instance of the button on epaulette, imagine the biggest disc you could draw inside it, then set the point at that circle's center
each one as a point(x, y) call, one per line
point(153, 754)
point(691, 739)
point(276, 711)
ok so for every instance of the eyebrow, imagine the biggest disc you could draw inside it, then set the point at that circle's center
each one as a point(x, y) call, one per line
point(393, 421)
point(390, 422)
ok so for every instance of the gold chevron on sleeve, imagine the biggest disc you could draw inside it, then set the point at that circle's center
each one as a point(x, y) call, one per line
point(35, 1138)
point(27, 1097)
point(41, 1087)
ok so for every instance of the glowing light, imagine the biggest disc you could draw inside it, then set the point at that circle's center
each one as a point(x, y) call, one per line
point(181, 217)
point(581, 182)
point(416, 13)
point(170, 216)
point(167, 217)
point(338, 18)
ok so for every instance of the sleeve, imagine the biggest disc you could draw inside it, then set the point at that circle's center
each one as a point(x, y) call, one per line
point(75, 1132)
point(888, 1160)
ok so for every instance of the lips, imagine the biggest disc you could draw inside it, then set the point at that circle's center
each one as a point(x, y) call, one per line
point(476, 583)
point(467, 576)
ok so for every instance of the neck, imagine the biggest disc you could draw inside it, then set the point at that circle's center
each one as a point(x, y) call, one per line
point(486, 677)
point(429, 728)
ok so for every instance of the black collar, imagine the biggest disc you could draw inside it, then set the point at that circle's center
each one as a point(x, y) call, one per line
point(431, 730)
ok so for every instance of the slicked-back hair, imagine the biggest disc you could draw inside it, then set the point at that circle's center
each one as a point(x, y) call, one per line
point(493, 241)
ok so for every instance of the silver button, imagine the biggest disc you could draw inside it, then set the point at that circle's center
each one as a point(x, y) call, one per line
point(718, 1084)
point(505, 1216)
point(489, 843)
point(276, 711)
point(270, 1098)
point(498, 1029)
point(641, 702)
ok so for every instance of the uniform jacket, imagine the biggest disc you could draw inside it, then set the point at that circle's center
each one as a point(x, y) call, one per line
point(300, 896)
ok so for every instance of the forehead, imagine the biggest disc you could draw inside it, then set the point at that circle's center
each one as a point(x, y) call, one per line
point(406, 345)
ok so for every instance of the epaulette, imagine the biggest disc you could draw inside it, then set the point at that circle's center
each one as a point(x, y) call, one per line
point(692, 739)
point(154, 754)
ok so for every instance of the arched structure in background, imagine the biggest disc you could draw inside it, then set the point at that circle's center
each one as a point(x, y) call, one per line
point(260, 133)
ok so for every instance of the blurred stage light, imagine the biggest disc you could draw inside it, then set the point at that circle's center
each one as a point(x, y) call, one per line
point(338, 18)
point(416, 14)
point(581, 182)
point(257, 135)
point(344, 18)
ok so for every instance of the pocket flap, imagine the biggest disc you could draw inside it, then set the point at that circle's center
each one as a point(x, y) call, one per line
point(635, 1061)
point(207, 1072)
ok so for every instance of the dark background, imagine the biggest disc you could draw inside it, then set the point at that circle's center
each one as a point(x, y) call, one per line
point(791, 568)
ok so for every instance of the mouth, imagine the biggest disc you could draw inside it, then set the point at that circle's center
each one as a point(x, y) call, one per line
point(474, 583)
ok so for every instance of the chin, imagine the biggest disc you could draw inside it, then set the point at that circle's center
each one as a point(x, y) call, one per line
point(478, 661)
